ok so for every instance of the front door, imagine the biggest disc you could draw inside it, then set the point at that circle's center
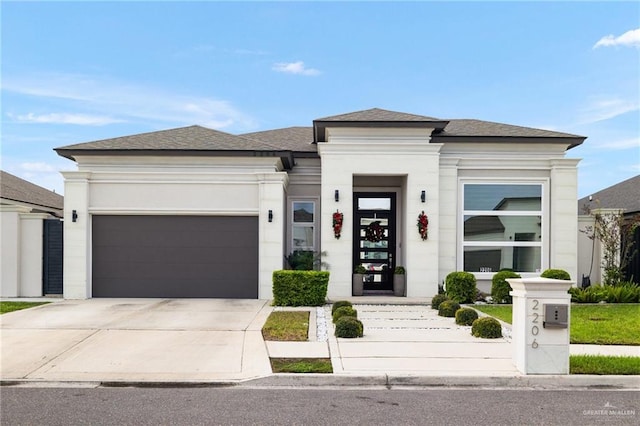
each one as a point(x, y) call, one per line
point(374, 239)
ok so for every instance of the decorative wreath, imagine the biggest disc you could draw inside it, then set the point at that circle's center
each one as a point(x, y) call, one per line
point(423, 225)
point(374, 232)
point(337, 223)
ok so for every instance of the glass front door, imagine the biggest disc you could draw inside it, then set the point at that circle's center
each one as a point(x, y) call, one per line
point(374, 238)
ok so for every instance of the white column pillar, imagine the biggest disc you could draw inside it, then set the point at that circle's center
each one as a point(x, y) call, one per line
point(540, 329)
point(271, 233)
point(564, 216)
point(77, 236)
point(337, 175)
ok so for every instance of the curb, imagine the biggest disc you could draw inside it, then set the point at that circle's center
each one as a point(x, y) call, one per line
point(543, 382)
point(550, 382)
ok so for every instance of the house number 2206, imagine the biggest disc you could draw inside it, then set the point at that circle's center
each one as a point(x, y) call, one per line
point(535, 323)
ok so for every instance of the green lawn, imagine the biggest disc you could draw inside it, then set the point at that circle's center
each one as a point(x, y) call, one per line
point(6, 307)
point(287, 326)
point(301, 365)
point(607, 365)
point(610, 324)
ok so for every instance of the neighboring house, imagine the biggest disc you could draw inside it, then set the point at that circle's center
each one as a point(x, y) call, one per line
point(195, 212)
point(623, 197)
point(31, 239)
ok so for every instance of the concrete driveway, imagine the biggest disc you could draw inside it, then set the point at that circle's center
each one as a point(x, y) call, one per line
point(136, 340)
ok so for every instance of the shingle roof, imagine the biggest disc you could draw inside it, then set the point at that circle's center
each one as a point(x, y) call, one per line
point(624, 195)
point(299, 139)
point(374, 117)
point(472, 127)
point(192, 138)
point(17, 189)
point(377, 114)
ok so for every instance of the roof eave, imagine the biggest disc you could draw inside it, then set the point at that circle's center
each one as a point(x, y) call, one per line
point(571, 141)
point(285, 156)
point(320, 126)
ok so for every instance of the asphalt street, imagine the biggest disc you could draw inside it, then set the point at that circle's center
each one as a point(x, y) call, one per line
point(324, 406)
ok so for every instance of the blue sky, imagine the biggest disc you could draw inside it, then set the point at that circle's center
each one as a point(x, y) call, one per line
point(79, 71)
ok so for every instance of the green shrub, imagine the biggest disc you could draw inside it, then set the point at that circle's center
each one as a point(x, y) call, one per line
point(466, 316)
point(461, 287)
point(624, 293)
point(500, 288)
point(437, 300)
point(556, 274)
point(487, 328)
point(360, 270)
point(301, 260)
point(344, 311)
point(448, 308)
point(339, 304)
point(592, 294)
point(300, 288)
point(399, 270)
point(349, 327)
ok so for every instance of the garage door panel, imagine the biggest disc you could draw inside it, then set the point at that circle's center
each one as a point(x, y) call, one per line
point(175, 256)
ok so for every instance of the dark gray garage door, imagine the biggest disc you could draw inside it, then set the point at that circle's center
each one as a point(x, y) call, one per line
point(175, 256)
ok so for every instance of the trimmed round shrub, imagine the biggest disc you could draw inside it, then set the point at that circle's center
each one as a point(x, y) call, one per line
point(466, 316)
point(500, 288)
point(344, 311)
point(349, 327)
point(461, 287)
point(340, 304)
point(437, 300)
point(448, 308)
point(487, 328)
point(556, 274)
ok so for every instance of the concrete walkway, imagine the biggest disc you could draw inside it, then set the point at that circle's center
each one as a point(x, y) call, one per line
point(406, 340)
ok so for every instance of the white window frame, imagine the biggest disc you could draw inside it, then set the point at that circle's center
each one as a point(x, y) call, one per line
point(543, 242)
point(313, 225)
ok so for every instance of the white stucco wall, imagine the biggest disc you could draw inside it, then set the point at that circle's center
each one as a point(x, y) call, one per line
point(589, 251)
point(563, 216)
point(10, 255)
point(21, 255)
point(149, 185)
point(31, 252)
point(382, 152)
point(504, 163)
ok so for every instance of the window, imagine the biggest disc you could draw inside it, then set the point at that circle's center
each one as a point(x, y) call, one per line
point(502, 227)
point(303, 217)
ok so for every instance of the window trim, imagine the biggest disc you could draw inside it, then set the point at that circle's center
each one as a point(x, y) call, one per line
point(314, 225)
point(543, 213)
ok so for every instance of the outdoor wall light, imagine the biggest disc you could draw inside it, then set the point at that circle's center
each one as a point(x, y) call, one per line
point(74, 216)
point(337, 195)
point(423, 196)
point(270, 215)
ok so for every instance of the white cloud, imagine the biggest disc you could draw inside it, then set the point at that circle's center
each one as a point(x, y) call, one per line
point(122, 101)
point(618, 145)
point(294, 68)
point(630, 38)
point(605, 109)
point(64, 118)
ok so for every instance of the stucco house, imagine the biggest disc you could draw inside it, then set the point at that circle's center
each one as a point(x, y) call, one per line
point(31, 239)
point(195, 212)
point(623, 198)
